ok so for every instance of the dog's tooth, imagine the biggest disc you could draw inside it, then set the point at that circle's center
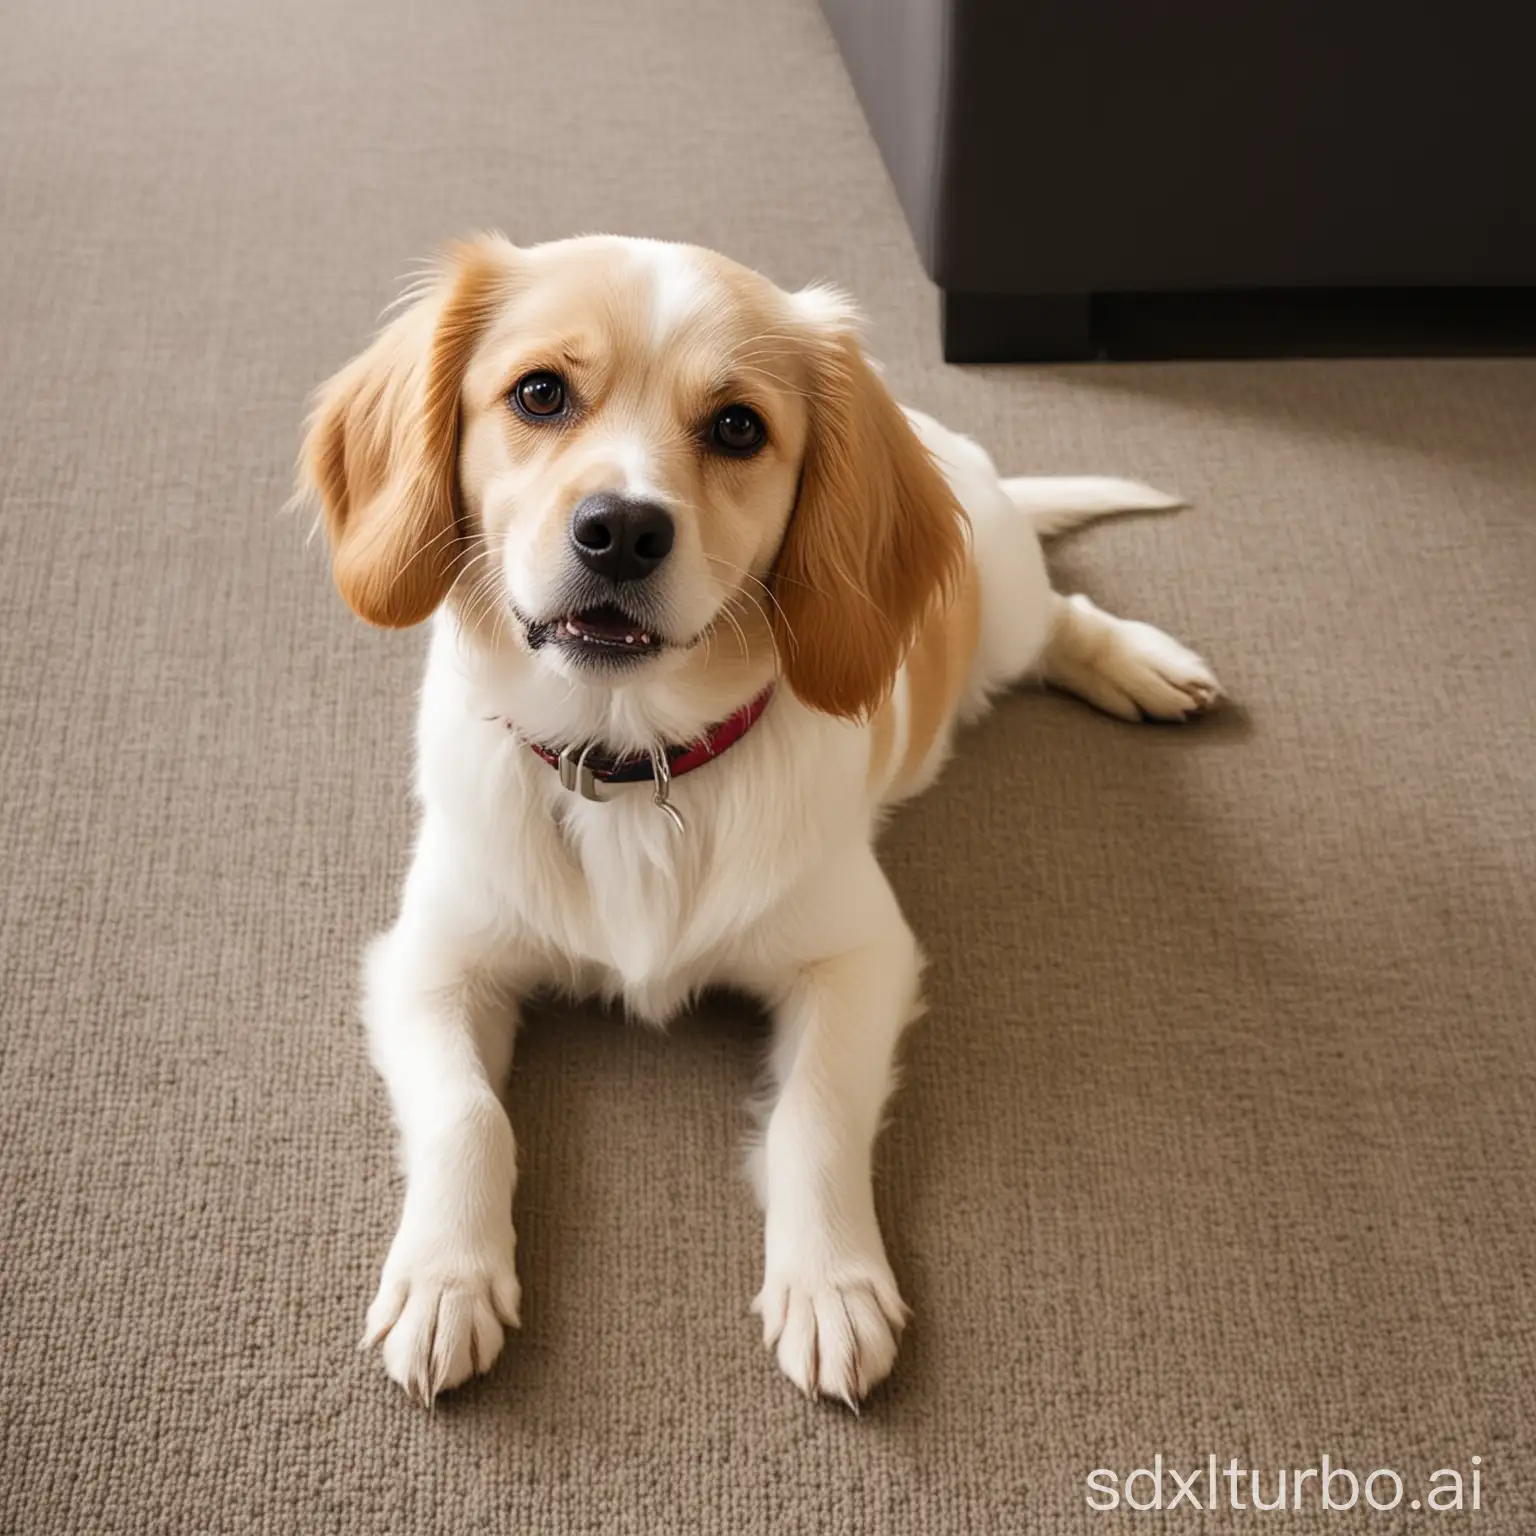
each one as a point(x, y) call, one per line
point(645, 639)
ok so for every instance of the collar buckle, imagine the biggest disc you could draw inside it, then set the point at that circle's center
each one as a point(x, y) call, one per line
point(661, 766)
point(575, 776)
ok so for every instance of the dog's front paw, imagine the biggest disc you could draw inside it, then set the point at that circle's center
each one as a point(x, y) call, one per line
point(834, 1332)
point(442, 1310)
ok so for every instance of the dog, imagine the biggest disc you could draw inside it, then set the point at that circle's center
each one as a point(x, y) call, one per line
point(705, 603)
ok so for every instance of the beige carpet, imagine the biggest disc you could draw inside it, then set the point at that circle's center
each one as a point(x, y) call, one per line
point(1221, 1136)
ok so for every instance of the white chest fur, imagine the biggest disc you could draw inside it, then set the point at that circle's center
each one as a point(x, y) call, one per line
point(610, 896)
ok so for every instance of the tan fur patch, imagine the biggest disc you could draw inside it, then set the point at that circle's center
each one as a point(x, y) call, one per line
point(382, 449)
point(877, 543)
point(937, 668)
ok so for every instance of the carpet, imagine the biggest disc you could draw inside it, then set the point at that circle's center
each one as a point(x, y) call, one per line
point(1218, 1138)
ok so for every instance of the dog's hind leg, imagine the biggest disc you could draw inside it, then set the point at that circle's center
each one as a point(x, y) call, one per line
point(1127, 669)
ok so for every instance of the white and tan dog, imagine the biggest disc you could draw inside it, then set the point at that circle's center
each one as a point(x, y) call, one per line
point(705, 603)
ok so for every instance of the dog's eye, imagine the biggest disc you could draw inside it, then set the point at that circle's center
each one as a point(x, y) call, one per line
point(540, 394)
point(737, 429)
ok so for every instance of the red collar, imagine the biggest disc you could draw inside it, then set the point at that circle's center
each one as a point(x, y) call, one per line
point(636, 768)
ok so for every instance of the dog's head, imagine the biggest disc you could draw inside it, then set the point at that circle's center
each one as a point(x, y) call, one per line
point(616, 447)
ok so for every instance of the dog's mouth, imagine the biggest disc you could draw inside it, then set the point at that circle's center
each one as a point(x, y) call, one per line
point(604, 630)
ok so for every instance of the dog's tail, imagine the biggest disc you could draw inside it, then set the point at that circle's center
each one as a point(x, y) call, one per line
point(1055, 503)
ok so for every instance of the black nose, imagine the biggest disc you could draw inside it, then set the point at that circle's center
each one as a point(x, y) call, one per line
point(620, 538)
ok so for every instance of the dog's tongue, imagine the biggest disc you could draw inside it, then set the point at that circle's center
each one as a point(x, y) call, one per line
point(607, 624)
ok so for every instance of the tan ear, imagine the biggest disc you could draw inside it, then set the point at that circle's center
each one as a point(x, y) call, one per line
point(381, 451)
point(876, 543)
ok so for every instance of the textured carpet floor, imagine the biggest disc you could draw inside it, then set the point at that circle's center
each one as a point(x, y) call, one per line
point(1219, 1136)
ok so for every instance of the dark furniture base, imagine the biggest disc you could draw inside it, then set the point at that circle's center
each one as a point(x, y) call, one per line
point(1275, 322)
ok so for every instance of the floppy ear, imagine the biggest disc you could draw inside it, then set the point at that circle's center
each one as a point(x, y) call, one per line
point(876, 543)
point(382, 447)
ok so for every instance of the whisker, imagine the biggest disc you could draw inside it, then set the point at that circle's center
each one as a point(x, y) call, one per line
point(450, 532)
point(767, 592)
point(741, 634)
point(474, 580)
